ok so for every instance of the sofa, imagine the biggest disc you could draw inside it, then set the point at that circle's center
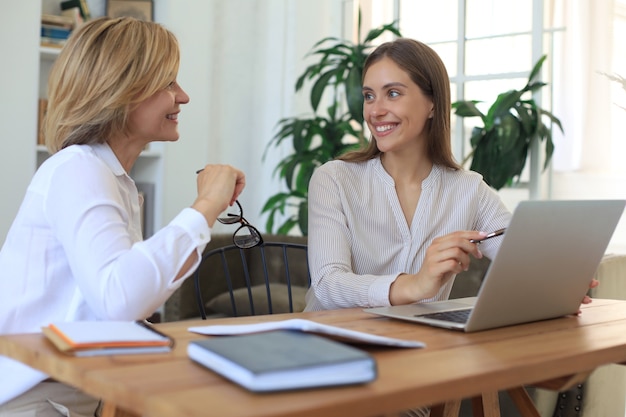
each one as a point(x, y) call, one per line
point(602, 394)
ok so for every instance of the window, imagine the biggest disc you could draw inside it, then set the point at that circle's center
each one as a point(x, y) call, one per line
point(488, 46)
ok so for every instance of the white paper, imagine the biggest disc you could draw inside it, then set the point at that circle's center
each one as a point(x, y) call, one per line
point(305, 326)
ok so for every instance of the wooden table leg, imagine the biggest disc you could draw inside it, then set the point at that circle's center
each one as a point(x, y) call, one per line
point(448, 409)
point(523, 402)
point(487, 405)
point(110, 410)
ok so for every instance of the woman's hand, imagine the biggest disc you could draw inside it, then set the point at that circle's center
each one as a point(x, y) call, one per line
point(586, 299)
point(447, 256)
point(218, 187)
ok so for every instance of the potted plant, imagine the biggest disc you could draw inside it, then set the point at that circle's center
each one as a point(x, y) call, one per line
point(322, 136)
point(500, 146)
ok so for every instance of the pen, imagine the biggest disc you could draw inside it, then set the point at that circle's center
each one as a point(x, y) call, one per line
point(199, 171)
point(489, 236)
point(149, 326)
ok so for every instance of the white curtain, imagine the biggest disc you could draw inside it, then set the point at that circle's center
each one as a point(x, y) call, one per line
point(581, 93)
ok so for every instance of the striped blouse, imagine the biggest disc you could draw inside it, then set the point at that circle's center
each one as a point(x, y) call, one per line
point(359, 240)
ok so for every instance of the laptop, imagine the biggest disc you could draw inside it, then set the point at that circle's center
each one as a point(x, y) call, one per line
point(548, 255)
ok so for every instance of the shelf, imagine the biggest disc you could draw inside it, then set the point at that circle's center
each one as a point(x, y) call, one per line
point(49, 53)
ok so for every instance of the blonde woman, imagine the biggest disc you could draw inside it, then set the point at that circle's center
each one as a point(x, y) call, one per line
point(75, 249)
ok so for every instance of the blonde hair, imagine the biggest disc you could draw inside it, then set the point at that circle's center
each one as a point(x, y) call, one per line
point(106, 67)
point(428, 72)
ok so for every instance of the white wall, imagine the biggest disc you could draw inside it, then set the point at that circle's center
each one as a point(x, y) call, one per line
point(18, 103)
point(239, 63)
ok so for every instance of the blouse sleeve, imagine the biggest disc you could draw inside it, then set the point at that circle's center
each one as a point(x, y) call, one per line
point(119, 276)
point(492, 215)
point(333, 281)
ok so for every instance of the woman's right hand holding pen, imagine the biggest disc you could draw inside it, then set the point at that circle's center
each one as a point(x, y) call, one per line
point(447, 256)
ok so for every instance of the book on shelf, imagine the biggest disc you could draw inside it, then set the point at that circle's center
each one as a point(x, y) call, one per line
point(74, 15)
point(283, 360)
point(82, 6)
point(55, 32)
point(57, 20)
point(47, 42)
point(41, 113)
point(96, 338)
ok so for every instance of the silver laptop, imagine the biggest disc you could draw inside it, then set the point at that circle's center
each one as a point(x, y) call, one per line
point(548, 255)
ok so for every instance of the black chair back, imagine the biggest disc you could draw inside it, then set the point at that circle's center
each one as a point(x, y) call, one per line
point(267, 279)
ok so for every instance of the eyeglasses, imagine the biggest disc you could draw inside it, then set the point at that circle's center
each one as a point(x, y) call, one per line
point(246, 236)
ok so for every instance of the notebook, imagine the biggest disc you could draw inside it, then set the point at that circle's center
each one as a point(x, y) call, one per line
point(548, 255)
point(94, 338)
point(280, 360)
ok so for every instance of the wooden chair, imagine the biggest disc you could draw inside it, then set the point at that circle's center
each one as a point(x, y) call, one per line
point(270, 278)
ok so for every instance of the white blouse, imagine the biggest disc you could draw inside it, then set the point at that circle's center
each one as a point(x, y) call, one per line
point(359, 240)
point(75, 252)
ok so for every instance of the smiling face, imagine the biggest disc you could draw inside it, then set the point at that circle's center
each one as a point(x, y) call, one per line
point(395, 109)
point(156, 118)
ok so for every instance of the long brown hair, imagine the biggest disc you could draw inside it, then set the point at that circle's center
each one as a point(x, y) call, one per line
point(107, 66)
point(428, 72)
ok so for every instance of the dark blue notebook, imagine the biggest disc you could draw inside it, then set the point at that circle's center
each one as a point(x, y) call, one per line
point(283, 360)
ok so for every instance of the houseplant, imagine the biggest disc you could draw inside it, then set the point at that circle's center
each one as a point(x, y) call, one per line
point(500, 146)
point(336, 76)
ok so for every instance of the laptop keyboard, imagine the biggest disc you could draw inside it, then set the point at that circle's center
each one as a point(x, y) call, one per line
point(455, 316)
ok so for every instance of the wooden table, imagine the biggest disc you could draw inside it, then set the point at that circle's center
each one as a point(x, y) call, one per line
point(454, 365)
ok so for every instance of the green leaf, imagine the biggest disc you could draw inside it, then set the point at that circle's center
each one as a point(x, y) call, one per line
point(553, 118)
point(467, 109)
point(286, 227)
point(354, 94)
point(303, 218)
point(274, 201)
point(375, 33)
point(478, 135)
point(320, 86)
point(536, 68)
point(502, 106)
point(549, 149)
point(304, 176)
point(534, 86)
point(508, 130)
